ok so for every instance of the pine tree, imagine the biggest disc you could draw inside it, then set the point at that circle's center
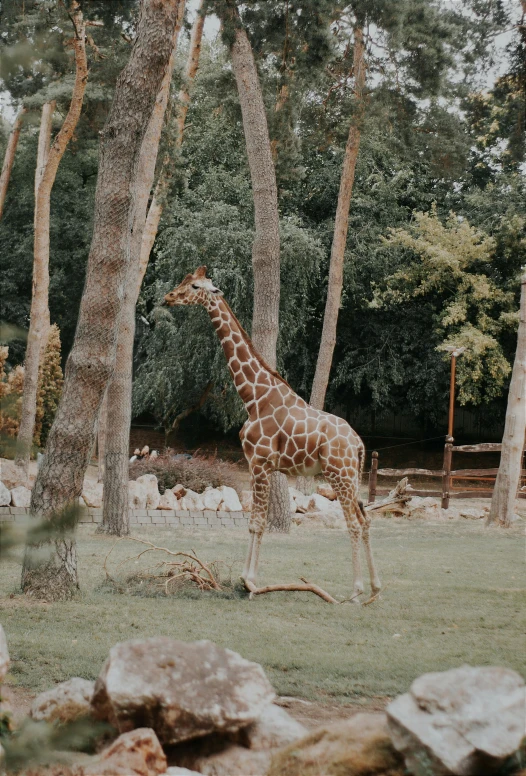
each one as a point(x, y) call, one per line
point(50, 381)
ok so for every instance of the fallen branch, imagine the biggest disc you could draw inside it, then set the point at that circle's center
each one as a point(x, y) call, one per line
point(396, 501)
point(304, 587)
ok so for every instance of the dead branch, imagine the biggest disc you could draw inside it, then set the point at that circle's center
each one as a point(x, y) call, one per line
point(306, 587)
point(396, 501)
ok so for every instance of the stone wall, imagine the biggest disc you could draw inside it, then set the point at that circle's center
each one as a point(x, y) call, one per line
point(160, 518)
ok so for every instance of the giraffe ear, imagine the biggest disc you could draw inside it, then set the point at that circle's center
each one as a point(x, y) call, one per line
point(200, 272)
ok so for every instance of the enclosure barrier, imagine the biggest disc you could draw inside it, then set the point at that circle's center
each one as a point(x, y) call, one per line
point(446, 474)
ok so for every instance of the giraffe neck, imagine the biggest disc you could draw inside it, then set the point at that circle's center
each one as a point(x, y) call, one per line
point(251, 378)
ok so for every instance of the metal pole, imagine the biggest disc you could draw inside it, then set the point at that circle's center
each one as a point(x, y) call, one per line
point(452, 396)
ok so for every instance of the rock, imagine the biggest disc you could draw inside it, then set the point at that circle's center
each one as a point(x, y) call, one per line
point(179, 491)
point(428, 507)
point(174, 770)
point(211, 498)
point(274, 728)
point(4, 655)
point(246, 500)
point(137, 495)
point(149, 482)
point(182, 690)
point(192, 500)
point(319, 503)
point(327, 492)
point(302, 502)
point(234, 761)
point(92, 493)
point(359, 746)
point(463, 721)
point(472, 513)
point(138, 752)
point(168, 501)
point(20, 496)
point(230, 499)
point(5, 495)
point(65, 702)
point(12, 476)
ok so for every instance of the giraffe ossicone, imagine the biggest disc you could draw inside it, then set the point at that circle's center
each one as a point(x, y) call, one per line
point(283, 433)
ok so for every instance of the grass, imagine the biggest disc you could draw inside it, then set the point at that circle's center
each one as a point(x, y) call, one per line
point(453, 594)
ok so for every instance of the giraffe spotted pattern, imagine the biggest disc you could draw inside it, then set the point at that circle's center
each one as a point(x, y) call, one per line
point(283, 433)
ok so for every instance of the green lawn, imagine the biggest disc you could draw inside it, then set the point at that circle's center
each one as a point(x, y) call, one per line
point(453, 593)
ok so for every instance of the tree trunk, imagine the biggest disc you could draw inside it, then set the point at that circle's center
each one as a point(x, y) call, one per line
point(266, 248)
point(341, 223)
point(91, 361)
point(9, 157)
point(39, 320)
point(101, 437)
point(115, 514)
point(508, 477)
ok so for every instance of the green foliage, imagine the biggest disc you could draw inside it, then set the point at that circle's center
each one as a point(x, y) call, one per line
point(453, 272)
point(50, 381)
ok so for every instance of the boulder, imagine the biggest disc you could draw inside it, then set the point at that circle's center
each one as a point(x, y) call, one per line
point(246, 500)
point(302, 502)
point(192, 500)
point(274, 729)
point(65, 702)
point(136, 753)
point(230, 500)
point(149, 481)
point(174, 770)
point(211, 498)
point(319, 503)
point(359, 746)
point(12, 476)
point(168, 501)
point(21, 496)
point(181, 690)
point(428, 508)
point(179, 491)
point(4, 655)
point(327, 492)
point(5, 495)
point(92, 493)
point(234, 761)
point(463, 721)
point(137, 495)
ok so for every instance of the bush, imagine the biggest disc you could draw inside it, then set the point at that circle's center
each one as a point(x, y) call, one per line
point(196, 473)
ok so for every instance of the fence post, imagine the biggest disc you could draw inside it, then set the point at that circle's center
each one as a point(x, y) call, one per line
point(446, 476)
point(373, 476)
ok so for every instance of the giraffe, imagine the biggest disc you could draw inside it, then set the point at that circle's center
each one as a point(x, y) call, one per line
point(283, 433)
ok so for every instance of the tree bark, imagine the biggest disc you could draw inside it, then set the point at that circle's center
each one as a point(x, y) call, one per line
point(91, 361)
point(39, 317)
point(101, 437)
point(9, 157)
point(341, 223)
point(266, 246)
point(115, 509)
point(508, 477)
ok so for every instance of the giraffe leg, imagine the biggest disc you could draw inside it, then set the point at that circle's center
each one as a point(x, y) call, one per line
point(258, 519)
point(346, 492)
point(373, 574)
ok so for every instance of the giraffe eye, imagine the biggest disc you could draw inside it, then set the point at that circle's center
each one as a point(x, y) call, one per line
point(196, 287)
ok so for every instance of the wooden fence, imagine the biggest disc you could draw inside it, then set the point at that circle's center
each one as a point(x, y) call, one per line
point(447, 475)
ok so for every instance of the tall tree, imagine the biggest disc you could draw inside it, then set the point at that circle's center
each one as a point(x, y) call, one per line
point(118, 396)
point(9, 157)
point(39, 320)
point(509, 474)
point(266, 246)
point(60, 478)
point(341, 224)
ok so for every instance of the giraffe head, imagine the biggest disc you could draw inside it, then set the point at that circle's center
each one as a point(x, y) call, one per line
point(195, 289)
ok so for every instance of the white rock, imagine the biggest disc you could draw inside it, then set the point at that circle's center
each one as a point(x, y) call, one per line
point(294, 492)
point(149, 481)
point(230, 499)
point(184, 690)
point(65, 702)
point(136, 495)
point(211, 498)
point(174, 770)
point(275, 728)
point(92, 493)
point(302, 502)
point(21, 496)
point(461, 722)
point(136, 753)
point(192, 500)
point(168, 501)
point(4, 655)
point(246, 500)
point(319, 503)
point(235, 761)
point(5, 495)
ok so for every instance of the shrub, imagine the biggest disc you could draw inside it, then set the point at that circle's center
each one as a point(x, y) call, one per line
point(196, 473)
